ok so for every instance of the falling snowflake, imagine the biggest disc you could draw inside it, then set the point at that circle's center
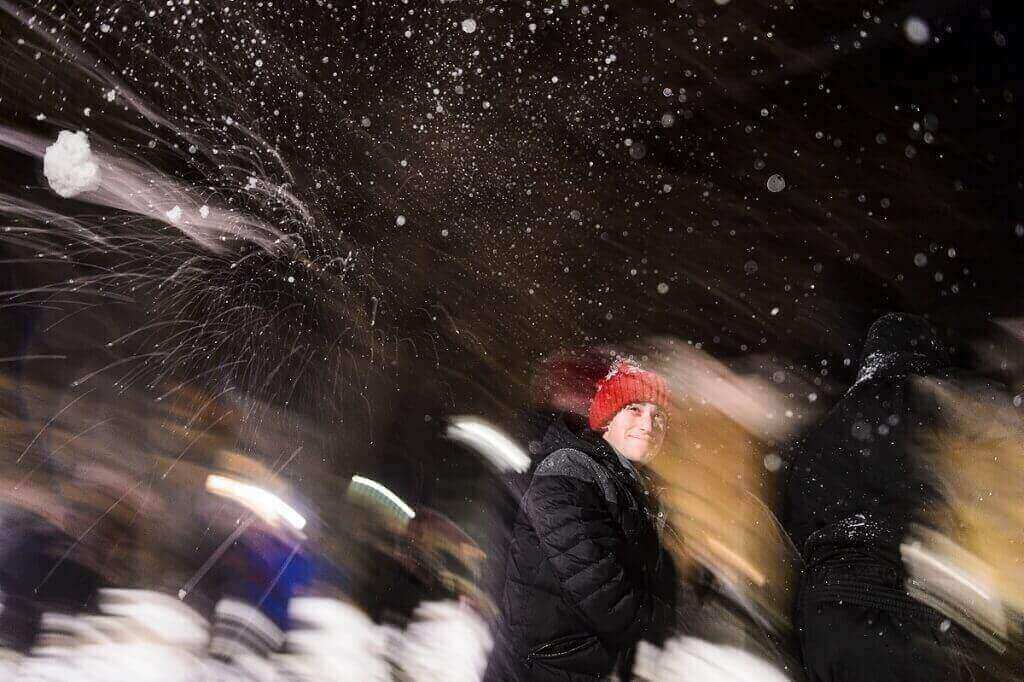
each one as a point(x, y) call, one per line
point(916, 30)
point(174, 215)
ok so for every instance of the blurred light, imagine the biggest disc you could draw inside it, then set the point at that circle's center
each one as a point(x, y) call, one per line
point(269, 506)
point(490, 442)
point(388, 495)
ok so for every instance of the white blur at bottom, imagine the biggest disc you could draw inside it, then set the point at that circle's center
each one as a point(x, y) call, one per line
point(153, 637)
point(446, 641)
point(696, 660)
point(335, 640)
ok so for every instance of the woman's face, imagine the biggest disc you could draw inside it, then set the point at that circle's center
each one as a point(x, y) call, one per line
point(637, 431)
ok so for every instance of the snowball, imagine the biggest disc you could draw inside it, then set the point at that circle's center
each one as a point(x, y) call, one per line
point(174, 215)
point(69, 165)
point(469, 25)
point(776, 183)
point(204, 211)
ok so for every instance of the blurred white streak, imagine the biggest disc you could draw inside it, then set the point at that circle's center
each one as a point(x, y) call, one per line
point(141, 635)
point(446, 641)
point(696, 660)
point(268, 506)
point(489, 441)
point(384, 492)
point(749, 401)
point(957, 584)
point(157, 615)
point(334, 640)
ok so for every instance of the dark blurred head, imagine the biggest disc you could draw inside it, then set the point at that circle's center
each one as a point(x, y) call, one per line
point(905, 333)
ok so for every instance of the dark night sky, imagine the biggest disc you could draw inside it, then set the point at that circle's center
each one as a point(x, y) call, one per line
point(598, 178)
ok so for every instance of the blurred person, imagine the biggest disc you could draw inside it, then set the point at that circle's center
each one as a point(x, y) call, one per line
point(59, 549)
point(855, 486)
point(560, 393)
point(262, 568)
point(719, 467)
point(587, 575)
point(41, 572)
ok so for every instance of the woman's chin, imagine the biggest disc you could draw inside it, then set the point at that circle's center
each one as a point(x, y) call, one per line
point(638, 456)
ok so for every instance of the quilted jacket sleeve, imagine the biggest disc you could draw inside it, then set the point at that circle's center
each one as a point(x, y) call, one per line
point(585, 545)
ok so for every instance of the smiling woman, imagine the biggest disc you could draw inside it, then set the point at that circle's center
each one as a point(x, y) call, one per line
point(588, 531)
point(637, 431)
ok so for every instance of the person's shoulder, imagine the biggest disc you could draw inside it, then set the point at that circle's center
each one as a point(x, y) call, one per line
point(570, 462)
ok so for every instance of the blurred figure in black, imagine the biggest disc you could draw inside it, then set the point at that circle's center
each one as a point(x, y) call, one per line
point(854, 488)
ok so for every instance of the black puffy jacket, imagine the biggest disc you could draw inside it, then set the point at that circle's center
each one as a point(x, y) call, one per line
point(586, 575)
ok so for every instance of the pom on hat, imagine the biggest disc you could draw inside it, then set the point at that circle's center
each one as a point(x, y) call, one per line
point(625, 384)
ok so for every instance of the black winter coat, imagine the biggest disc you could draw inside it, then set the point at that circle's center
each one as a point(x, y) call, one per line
point(586, 574)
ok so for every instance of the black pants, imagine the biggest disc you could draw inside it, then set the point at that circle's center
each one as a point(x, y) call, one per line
point(849, 643)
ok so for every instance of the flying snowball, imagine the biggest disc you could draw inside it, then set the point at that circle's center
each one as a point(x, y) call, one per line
point(776, 183)
point(70, 166)
point(469, 25)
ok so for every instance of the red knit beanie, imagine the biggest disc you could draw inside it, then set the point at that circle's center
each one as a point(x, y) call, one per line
point(625, 384)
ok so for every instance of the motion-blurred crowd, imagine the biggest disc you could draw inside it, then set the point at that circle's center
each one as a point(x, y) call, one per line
point(749, 534)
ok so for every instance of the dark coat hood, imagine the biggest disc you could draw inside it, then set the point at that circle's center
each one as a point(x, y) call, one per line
point(901, 342)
